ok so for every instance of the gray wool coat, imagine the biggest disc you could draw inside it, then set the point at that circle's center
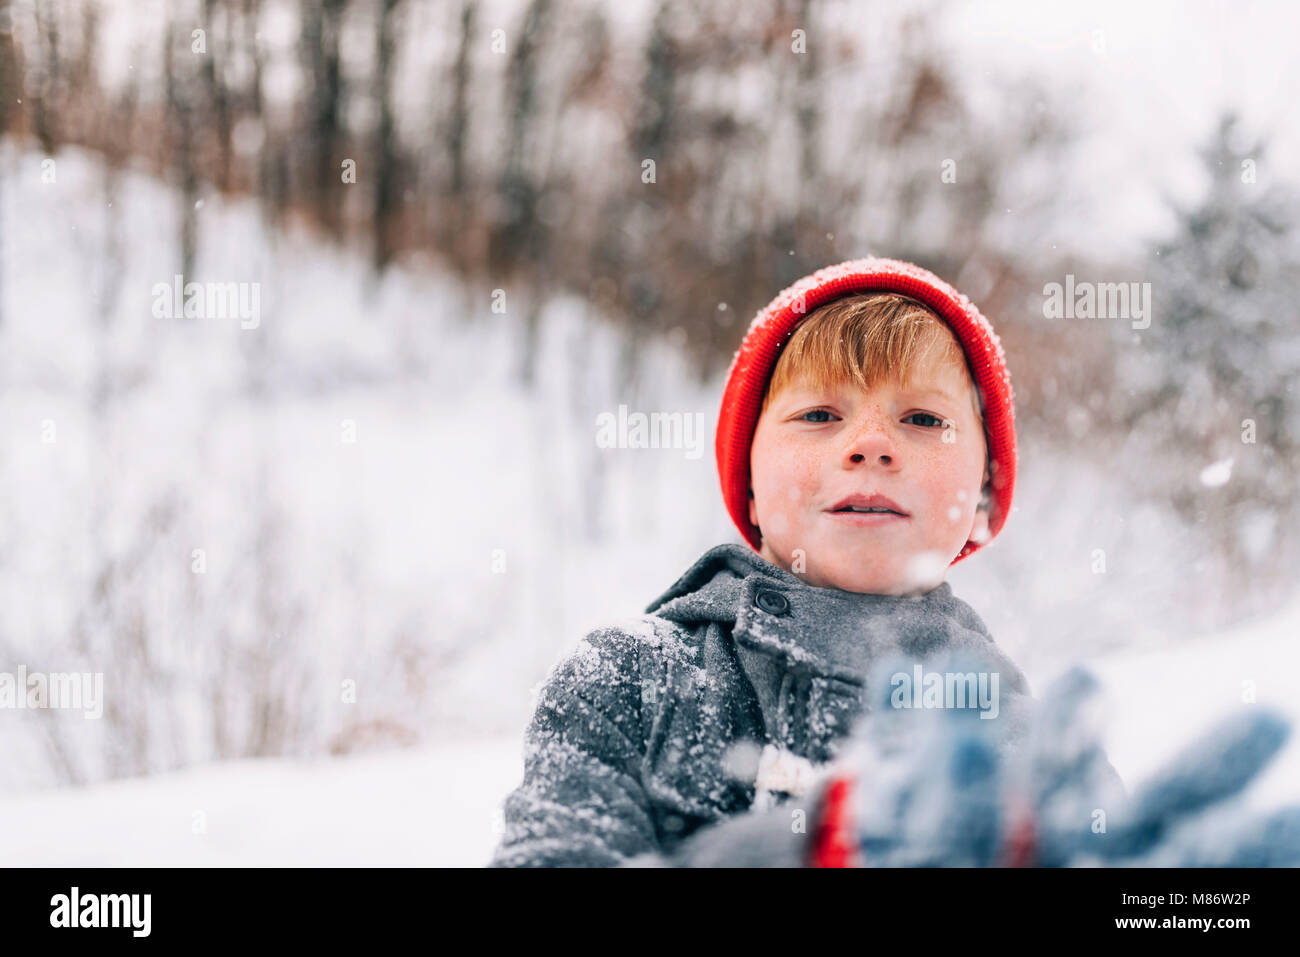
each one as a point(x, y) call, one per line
point(651, 742)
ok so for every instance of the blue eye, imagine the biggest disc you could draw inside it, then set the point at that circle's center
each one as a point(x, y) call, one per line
point(805, 418)
point(937, 421)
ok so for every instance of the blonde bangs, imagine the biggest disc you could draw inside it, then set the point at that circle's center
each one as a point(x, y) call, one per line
point(864, 340)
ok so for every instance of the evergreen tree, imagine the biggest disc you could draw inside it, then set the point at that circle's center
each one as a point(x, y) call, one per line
point(1215, 374)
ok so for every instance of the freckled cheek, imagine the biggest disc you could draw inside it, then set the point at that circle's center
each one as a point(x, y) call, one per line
point(944, 483)
point(802, 470)
point(787, 470)
point(932, 468)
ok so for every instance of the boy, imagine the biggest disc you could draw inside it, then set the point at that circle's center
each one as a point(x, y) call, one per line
point(865, 443)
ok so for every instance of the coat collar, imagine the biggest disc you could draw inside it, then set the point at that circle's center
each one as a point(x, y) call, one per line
point(833, 632)
point(811, 653)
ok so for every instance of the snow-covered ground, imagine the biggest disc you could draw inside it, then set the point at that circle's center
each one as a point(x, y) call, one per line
point(1159, 701)
point(414, 808)
point(440, 805)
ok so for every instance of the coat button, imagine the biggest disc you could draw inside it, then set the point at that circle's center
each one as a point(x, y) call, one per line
point(772, 602)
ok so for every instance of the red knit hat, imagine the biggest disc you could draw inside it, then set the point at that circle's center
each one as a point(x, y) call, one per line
point(752, 366)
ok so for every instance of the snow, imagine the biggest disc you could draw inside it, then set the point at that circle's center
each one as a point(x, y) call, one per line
point(466, 539)
point(782, 770)
point(1159, 701)
point(421, 368)
point(439, 805)
point(435, 806)
point(1217, 473)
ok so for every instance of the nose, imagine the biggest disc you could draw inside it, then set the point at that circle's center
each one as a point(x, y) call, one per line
point(871, 441)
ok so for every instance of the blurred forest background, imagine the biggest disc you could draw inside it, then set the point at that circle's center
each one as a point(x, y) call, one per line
point(477, 226)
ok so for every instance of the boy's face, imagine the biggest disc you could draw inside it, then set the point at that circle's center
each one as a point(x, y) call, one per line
point(813, 449)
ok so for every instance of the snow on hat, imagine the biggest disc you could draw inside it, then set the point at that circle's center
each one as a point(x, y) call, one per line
point(752, 366)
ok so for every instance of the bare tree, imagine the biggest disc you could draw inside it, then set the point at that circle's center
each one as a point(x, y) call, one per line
point(456, 138)
point(179, 81)
point(10, 92)
point(321, 21)
point(216, 17)
point(386, 174)
point(517, 236)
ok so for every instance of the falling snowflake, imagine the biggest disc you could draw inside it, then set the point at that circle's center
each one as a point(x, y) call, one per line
point(1212, 476)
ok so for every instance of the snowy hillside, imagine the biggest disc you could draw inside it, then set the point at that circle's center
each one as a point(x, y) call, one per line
point(360, 472)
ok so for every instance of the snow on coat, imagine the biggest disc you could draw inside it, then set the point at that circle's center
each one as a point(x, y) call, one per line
point(731, 695)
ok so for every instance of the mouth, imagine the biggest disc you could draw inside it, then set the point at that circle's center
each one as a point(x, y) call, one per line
point(865, 519)
point(875, 507)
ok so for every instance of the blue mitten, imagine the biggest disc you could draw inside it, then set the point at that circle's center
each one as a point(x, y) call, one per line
point(944, 785)
point(1076, 820)
point(929, 782)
